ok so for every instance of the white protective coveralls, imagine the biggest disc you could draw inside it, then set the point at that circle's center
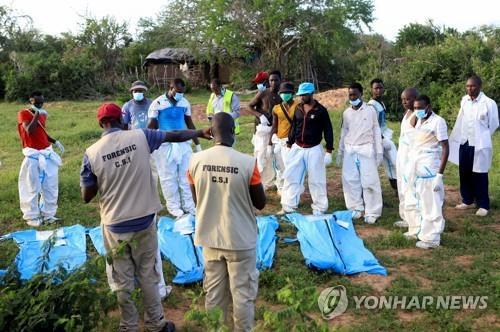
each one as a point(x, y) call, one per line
point(172, 162)
point(264, 155)
point(486, 124)
point(406, 138)
point(360, 146)
point(298, 161)
point(280, 154)
point(390, 150)
point(423, 205)
point(172, 159)
point(38, 183)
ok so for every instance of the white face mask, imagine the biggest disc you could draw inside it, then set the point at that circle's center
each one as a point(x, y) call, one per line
point(138, 96)
point(355, 102)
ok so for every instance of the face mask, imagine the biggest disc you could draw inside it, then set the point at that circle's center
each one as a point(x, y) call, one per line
point(178, 96)
point(261, 87)
point(355, 102)
point(286, 97)
point(39, 109)
point(420, 113)
point(222, 91)
point(138, 96)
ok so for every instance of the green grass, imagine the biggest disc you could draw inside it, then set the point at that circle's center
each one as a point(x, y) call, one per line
point(439, 272)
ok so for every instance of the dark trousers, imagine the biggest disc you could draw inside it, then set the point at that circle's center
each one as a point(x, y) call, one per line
point(473, 186)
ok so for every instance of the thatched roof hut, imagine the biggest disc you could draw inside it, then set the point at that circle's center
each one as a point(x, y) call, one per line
point(165, 64)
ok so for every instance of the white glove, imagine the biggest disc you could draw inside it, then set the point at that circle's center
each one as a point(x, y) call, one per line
point(197, 148)
point(263, 120)
point(275, 139)
point(59, 146)
point(437, 182)
point(328, 158)
point(340, 158)
point(269, 151)
point(277, 148)
point(379, 158)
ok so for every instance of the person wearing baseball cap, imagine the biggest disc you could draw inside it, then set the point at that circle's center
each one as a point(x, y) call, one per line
point(310, 124)
point(261, 107)
point(135, 111)
point(117, 166)
point(261, 80)
point(282, 123)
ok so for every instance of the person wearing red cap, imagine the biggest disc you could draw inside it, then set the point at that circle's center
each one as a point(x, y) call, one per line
point(117, 166)
point(38, 176)
point(261, 106)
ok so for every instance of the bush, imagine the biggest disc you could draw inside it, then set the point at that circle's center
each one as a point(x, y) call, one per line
point(57, 301)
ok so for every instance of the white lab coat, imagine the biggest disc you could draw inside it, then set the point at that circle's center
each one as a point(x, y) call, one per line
point(485, 126)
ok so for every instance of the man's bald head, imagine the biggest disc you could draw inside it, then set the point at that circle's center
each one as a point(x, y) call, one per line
point(223, 128)
point(408, 98)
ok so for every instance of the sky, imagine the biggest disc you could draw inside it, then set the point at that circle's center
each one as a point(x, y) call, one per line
point(57, 16)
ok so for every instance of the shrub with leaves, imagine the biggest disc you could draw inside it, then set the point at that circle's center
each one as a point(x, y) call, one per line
point(56, 302)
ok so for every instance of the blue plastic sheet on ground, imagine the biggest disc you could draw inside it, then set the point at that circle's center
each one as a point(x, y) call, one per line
point(330, 242)
point(46, 251)
point(180, 250)
point(96, 238)
point(266, 243)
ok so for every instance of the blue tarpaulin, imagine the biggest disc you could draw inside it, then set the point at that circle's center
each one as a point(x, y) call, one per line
point(266, 243)
point(180, 250)
point(96, 238)
point(330, 242)
point(46, 251)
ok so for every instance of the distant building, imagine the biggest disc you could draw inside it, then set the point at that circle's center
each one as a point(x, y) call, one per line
point(164, 65)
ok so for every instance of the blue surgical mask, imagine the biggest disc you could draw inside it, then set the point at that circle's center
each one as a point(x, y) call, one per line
point(138, 96)
point(355, 102)
point(178, 96)
point(261, 86)
point(420, 113)
point(286, 97)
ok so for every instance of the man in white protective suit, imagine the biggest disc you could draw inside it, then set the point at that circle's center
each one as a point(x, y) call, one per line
point(171, 111)
point(360, 153)
point(261, 106)
point(407, 130)
point(471, 146)
point(311, 123)
point(427, 163)
point(38, 176)
point(390, 151)
point(282, 123)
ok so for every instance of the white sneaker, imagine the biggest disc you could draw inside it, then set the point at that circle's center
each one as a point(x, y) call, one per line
point(463, 206)
point(37, 222)
point(356, 214)
point(426, 245)
point(370, 220)
point(409, 236)
point(401, 224)
point(482, 212)
point(317, 213)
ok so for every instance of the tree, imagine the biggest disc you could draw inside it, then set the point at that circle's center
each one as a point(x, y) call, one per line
point(286, 33)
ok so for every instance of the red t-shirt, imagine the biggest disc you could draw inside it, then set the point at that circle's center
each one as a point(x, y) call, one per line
point(36, 140)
